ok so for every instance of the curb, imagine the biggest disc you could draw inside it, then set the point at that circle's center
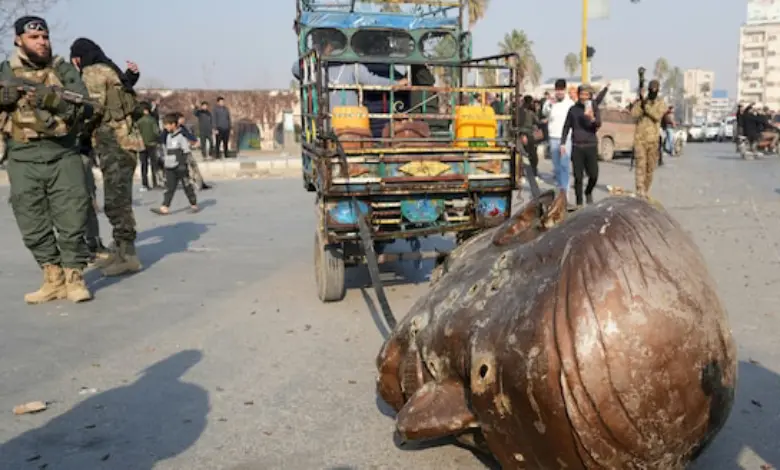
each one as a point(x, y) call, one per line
point(237, 169)
point(225, 170)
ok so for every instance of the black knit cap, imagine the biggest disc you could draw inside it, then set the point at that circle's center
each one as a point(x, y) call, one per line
point(30, 23)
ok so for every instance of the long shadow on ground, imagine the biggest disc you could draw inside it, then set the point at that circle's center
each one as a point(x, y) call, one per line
point(129, 427)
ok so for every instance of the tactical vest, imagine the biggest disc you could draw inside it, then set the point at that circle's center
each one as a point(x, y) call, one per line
point(26, 123)
point(118, 114)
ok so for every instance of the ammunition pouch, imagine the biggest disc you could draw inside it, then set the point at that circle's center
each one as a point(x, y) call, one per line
point(120, 104)
point(38, 118)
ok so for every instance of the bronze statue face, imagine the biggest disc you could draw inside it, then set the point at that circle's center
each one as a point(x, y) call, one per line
point(551, 326)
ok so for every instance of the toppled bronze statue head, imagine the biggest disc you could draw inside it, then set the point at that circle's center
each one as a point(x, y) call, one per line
point(594, 341)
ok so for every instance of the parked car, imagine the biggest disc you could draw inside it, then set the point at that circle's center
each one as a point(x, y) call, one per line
point(616, 135)
point(711, 131)
point(696, 133)
point(726, 132)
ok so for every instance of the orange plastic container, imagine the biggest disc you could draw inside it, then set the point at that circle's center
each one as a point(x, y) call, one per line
point(350, 117)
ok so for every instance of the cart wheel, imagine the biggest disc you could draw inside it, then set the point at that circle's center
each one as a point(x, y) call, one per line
point(329, 270)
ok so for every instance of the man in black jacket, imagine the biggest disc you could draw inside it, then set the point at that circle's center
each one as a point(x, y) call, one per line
point(583, 121)
point(205, 128)
point(223, 124)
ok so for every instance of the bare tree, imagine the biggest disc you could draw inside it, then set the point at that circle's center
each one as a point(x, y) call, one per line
point(11, 10)
point(151, 83)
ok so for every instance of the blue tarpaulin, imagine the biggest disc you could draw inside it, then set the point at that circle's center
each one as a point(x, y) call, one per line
point(374, 20)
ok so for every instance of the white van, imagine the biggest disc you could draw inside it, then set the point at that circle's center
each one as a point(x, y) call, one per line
point(727, 128)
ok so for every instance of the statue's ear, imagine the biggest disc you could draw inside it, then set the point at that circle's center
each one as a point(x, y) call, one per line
point(436, 410)
point(388, 383)
point(531, 219)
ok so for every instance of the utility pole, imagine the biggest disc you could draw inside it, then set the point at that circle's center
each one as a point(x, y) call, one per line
point(584, 48)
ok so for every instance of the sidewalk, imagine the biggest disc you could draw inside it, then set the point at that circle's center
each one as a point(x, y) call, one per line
point(269, 164)
point(242, 167)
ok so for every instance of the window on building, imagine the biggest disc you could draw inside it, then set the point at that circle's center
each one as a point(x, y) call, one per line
point(773, 38)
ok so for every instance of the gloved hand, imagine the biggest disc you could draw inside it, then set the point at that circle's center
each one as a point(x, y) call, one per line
point(9, 95)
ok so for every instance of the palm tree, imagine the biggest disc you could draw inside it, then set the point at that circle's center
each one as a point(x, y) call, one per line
point(476, 10)
point(517, 42)
point(571, 62)
point(661, 69)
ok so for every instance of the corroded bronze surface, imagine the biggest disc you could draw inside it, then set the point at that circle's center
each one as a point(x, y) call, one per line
point(598, 341)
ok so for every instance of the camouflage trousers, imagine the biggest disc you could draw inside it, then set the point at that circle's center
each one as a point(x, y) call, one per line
point(118, 167)
point(196, 179)
point(646, 155)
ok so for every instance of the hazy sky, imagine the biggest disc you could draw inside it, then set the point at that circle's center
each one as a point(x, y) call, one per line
point(250, 43)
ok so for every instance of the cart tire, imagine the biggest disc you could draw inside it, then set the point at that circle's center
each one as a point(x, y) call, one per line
point(607, 149)
point(329, 270)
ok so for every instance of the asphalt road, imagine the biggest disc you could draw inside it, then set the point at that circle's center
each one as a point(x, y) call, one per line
point(219, 355)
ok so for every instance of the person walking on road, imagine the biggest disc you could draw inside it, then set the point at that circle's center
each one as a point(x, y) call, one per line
point(177, 155)
point(584, 121)
point(529, 124)
point(45, 170)
point(223, 124)
point(118, 142)
point(555, 112)
point(194, 174)
point(648, 111)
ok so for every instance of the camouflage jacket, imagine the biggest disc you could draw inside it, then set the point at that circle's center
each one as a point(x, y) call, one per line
point(648, 126)
point(106, 88)
point(51, 147)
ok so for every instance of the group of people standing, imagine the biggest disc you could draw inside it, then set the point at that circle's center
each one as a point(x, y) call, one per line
point(51, 140)
point(569, 122)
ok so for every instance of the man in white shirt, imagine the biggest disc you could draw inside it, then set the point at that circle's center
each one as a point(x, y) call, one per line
point(555, 112)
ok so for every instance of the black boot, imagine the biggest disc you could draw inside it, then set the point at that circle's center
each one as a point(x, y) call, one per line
point(589, 199)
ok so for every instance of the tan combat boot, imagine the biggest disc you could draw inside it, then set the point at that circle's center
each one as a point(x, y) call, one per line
point(75, 286)
point(104, 259)
point(125, 261)
point(53, 287)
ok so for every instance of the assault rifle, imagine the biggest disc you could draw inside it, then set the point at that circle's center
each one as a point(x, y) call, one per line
point(641, 73)
point(29, 86)
point(90, 107)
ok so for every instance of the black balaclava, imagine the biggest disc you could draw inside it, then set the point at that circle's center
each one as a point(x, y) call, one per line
point(653, 88)
point(91, 54)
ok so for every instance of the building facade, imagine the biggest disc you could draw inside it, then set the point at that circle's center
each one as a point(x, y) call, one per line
point(698, 85)
point(758, 80)
point(721, 106)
